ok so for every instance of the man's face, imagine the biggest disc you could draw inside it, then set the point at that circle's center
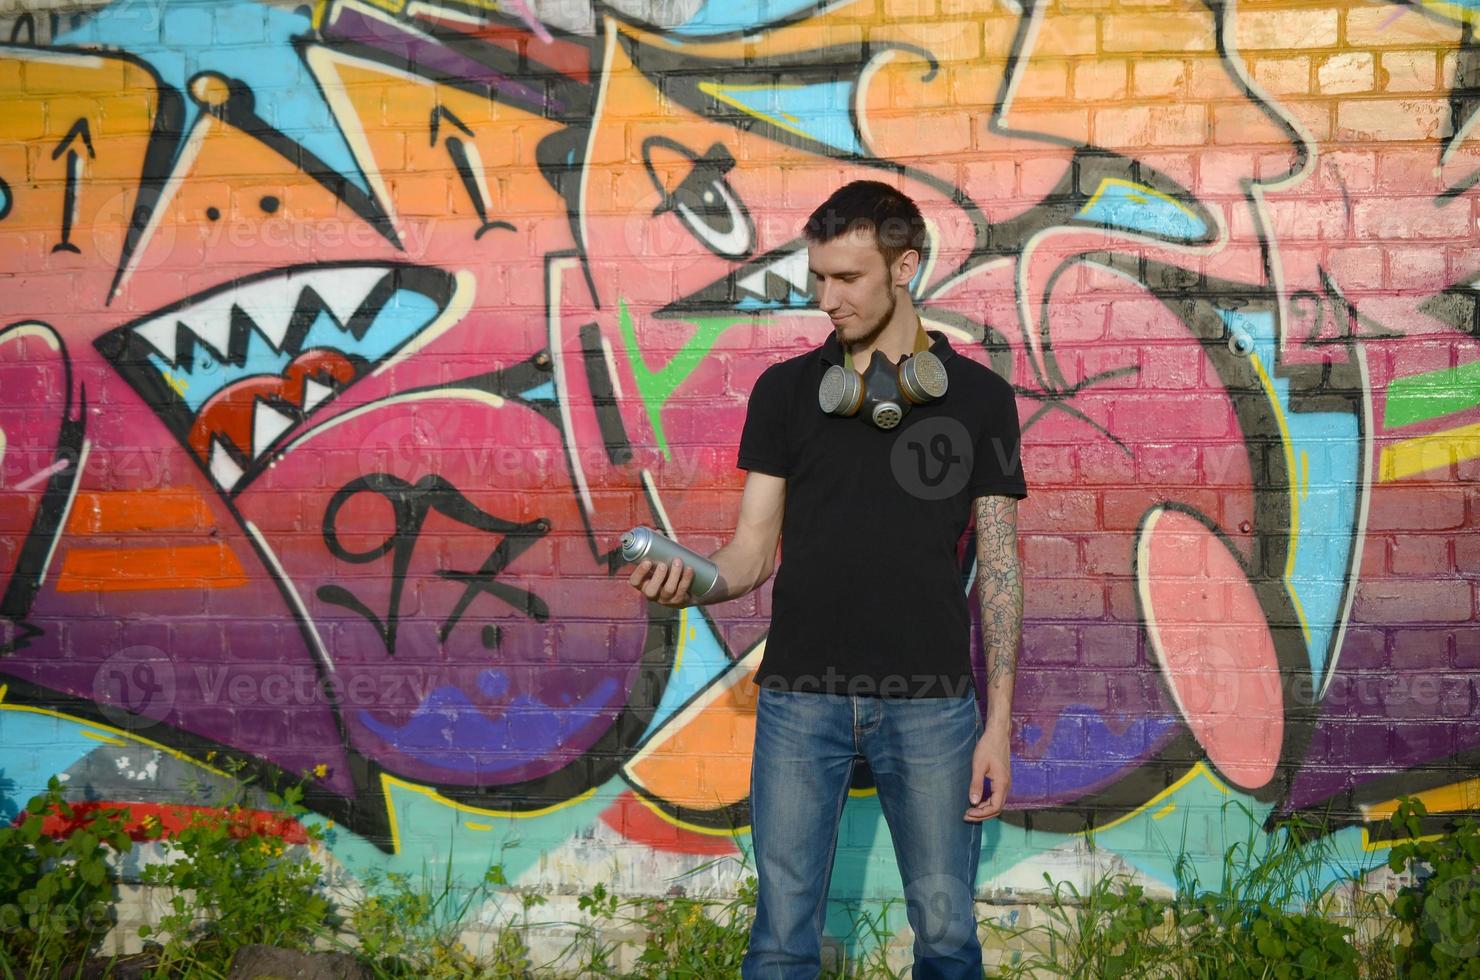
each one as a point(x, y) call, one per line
point(855, 287)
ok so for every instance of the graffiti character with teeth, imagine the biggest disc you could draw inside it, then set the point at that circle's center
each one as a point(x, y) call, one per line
point(340, 553)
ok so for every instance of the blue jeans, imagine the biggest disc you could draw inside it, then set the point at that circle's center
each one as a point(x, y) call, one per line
point(920, 753)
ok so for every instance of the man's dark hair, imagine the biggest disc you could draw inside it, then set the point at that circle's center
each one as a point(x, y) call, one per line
point(870, 205)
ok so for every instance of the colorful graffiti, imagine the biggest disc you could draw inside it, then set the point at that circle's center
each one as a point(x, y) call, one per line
point(340, 345)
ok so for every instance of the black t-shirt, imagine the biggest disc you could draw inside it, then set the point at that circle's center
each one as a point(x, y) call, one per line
point(868, 598)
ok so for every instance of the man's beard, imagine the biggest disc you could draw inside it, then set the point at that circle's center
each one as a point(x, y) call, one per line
point(876, 329)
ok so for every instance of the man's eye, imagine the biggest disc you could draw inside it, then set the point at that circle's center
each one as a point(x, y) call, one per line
point(703, 200)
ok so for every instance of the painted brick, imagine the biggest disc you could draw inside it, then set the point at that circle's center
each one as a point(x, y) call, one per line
point(1416, 508)
point(1389, 220)
point(1420, 649)
point(1063, 510)
point(1051, 556)
point(1420, 270)
point(1408, 71)
point(1050, 645)
point(1390, 119)
point(1161, 125)
point(1064, 599)
point(1376, 27)
point(1288, 76)
point(1099, 81)
point(1400, 600)
point(1349, 71)
point(1072, 34)
point(1284, 29)
point(1157, 32)
point(1158, 77)
point(1421, 555)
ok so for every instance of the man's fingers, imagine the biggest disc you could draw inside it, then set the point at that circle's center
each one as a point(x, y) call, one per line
point(639, 574)
point(687, 581)
point(663, 582)
point(671, 581)
point(655, 581)
point(974, 788)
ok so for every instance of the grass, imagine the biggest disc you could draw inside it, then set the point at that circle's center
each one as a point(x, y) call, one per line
point(1267, 916)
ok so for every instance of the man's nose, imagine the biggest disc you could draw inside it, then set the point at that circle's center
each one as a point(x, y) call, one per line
point(826, 297)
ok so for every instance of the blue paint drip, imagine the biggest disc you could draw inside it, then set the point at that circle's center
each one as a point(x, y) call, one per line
point(822, 111)
point(405, 315)
point(1330, 443)
point(451, 732)
point(1120, 205)
point(702, 661)
point(726, 16)
point(247, 41)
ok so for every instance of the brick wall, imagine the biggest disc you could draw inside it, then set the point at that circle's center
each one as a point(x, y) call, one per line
point(337, 351)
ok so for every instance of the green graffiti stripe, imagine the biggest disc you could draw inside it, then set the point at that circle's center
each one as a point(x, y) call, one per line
point(1421, 397)
point(655, 387)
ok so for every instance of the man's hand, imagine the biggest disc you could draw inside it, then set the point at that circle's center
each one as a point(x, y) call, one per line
point(667, 585)
point(992, 760)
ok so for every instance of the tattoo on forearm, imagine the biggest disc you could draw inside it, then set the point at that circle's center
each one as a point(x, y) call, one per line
point(999, 586)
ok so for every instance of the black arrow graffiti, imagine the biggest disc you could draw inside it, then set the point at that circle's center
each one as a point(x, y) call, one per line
point(471, 181)
point(78, 131)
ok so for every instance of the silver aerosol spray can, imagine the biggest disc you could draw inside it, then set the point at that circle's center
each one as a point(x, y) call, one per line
point(643, 543)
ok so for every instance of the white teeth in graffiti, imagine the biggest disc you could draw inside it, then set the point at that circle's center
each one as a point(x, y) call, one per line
point(267, 424)
point(224, 469)
point(790, 268)
point(269, 303)
point(313, 394)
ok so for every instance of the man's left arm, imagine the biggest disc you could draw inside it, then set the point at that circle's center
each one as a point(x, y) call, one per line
point(1000, 590)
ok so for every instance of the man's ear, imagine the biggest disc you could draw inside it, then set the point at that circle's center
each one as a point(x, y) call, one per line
point(905, 267)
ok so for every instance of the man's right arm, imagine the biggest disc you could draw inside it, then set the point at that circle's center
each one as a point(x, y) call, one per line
point(744, 563)
point(749, 558)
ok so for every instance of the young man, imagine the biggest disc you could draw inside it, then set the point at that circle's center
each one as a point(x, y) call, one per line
point(868, 654)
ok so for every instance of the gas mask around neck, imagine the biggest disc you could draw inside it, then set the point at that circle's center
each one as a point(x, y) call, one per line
point(885, 391)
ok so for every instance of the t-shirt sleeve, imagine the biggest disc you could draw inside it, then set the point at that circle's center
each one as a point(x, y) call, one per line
point(997, 462)
point(763, 442)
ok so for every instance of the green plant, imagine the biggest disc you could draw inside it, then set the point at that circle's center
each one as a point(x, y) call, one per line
point(879, 934)
point(55, 893)
point(1268, 917)
point(1440, 912)
point(235, 882)
point(684, 938)
point(412, 928)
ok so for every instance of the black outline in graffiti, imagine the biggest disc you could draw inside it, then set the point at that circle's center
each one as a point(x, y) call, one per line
point(40, 541)
point(79, 131)
point(411, 504)
point(471, 177)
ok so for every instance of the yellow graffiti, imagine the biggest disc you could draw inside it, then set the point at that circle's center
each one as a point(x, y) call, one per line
point(1431, 452)
point(390, 784)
